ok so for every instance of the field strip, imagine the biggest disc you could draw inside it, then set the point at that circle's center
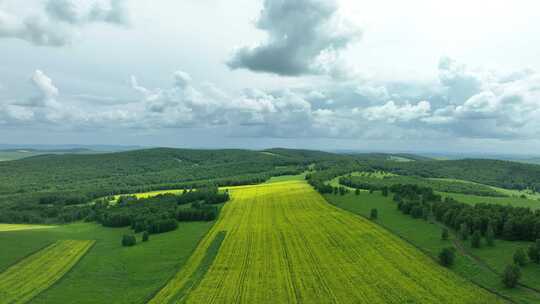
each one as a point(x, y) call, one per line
point(17, 227)
point(34, 274)
point(286, 244)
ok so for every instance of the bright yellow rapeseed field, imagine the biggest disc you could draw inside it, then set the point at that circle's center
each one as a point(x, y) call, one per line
point(16, 227)
point(26, 279)
point(284, 244)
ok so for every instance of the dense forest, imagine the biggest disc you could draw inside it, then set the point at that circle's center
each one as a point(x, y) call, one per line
point(160, 213)
point(55, 188)
point(59, 188)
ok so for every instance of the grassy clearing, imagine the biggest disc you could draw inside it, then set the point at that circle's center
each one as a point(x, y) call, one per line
point(31, 276)
point(427, 237)
point(109, 273)
point(283, 178)
point(17, 227)
point(285, 244)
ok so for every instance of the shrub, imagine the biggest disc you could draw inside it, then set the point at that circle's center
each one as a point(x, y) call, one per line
point(534, 252)
point(128, 240)
point(490, 236)
point(447, 256)
point(476, 239)
point(357, 191)
point(511, 276)
point(520, 258)
point(374, 214)
point(444, 234)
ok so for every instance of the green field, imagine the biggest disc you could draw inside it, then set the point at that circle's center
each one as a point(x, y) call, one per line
point(427, 236)
point(108, 273)
point(34, 274)
point(284, 244)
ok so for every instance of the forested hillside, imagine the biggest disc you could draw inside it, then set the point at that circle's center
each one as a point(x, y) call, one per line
point(504, 174)
point(47, 186)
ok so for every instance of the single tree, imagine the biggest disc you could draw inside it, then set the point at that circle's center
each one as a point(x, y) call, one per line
point(464, 231)
point(374, 214)
point(447, 256)
point(520, 258)
point(145, 236)
point(476, 239)
point(490, 236)
point(511, 276)
point(534, 252)
point(445, 234)
point(385, 191)
point(357, 191)
point(128, 240)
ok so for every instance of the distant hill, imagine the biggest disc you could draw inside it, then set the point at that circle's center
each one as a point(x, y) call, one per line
point(499, 173)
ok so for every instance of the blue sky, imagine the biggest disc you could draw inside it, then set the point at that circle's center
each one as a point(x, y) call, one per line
point(320, 74)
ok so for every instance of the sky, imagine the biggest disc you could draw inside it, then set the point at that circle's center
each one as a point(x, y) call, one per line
point(417, 76)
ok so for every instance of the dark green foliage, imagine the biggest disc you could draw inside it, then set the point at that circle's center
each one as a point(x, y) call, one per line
point(145, 236)
point(490, 236)
point(357, 191)
point(476, 239)
point(128, 240)
point(520, 257)
point(444, 234)
point(376, 183)
point(511, 276)
point(374, 214)
point(38, 189)
point(510, 223)
point(464, 231)
point(534, 252)
point(385, 191)
point(161, 213)
point(505, 174)
point(447, 256)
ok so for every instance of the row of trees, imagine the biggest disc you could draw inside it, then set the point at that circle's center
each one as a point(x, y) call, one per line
point(487, 220)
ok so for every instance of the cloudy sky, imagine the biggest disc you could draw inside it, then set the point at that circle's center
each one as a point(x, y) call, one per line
point(323, 74)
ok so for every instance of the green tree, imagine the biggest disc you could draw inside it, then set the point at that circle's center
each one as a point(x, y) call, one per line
point(511, 276)
point(145, 236)
point(476, 239)
point(357, 191)
point(445, 234)
point(447, 256)
point(374, 214)
point(490, 236)
point(464, 231)
point(128, 240)
point(520, 257)
point(534, 252)
point(385, 191)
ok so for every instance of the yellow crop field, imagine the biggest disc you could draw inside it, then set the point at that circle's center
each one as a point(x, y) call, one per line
point(26, 279)
point(284, 244)
point(16, 227)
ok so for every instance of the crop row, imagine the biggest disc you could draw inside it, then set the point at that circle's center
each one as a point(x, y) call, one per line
point(26, 279)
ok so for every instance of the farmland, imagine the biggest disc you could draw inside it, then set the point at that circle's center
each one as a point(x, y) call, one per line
point(426, 236)
point(34, 274)
point(284, 243)
point(17, 227)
